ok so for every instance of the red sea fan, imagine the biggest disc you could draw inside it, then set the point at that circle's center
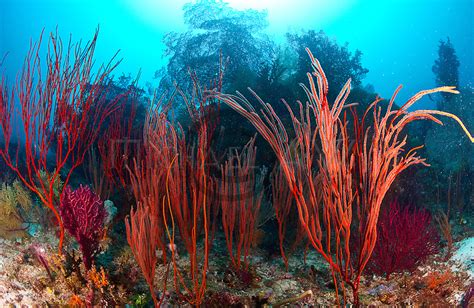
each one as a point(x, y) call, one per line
point(83, 215)
point(405, 239)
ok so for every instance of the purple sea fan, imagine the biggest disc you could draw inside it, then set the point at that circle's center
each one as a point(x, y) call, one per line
point(83, 215)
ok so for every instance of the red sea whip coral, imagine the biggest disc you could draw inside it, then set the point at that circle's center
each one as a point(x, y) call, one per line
point(83, 215)
point(405, 239)
point(58, 105)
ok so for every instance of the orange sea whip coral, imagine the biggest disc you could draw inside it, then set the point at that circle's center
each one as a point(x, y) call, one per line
point(282, 202)
point(144, 226)
point(189, 191)
point(350, 177)
point(143, 232)
point(240, 203)
point(174, 190)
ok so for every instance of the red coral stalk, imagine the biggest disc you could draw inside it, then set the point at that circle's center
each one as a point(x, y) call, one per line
point(62, 104)
point(240, 203)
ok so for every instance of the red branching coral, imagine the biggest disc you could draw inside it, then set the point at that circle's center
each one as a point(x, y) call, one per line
point(405, 239)
point(83, 214)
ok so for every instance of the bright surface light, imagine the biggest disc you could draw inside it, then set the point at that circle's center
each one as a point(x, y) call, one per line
point(282, 4)
point(282, 14)
point(158, 13)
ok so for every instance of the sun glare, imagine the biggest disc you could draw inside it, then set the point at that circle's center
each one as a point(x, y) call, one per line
point(285, 15)
point(282, 14)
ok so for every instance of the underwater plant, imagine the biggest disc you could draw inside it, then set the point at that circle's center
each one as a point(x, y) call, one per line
point(348, 64)
point(446, 68)
point(121, 139)
point(240, 203)
point(283, 202)
point(94, 170)
point(445, 227)
point(106, 161)
point(143, 236)
point(15, 203)
point(215, 29)
point(60, 115)
point(353, 175)
point(455, 155)
point(405, 238)
point(83, 215)
point(190, 196)
point(44, 181)
point(144, 225)
point(174, 189)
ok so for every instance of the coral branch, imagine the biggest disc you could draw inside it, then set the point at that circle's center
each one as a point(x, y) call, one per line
point(143, 237)
point(348, 177)
point(240, 203)
point(61, 113)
